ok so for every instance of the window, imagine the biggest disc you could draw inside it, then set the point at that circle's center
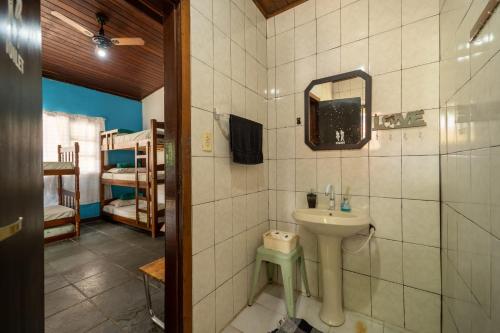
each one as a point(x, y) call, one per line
point(66, 129)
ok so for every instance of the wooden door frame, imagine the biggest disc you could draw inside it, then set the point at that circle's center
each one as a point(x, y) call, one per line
point(178, 274)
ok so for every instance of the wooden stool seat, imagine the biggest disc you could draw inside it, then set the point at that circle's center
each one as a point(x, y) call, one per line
point(155, 270)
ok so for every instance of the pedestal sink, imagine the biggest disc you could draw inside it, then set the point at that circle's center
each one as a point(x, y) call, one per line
point(330, 227)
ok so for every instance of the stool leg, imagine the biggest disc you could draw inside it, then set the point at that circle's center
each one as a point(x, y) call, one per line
point(270, 272)
point(256, 273)
point(303, 274)
point(287, 273)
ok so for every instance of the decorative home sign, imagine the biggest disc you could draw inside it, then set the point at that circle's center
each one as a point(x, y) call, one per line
point(398, 120)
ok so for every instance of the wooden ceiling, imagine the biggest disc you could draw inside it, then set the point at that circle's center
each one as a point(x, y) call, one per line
point(274, 7)
point(129, 71)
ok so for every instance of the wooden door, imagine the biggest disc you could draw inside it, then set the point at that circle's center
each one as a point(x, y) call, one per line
point(21, 179)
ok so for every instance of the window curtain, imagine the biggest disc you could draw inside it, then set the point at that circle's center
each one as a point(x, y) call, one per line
point(66, 129)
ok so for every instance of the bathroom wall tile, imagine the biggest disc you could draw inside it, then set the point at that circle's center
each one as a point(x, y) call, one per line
point(386, 216)
point(387, 259)
point(251, 75)
point(285, 205)
point(240, 290)
point(387, 93)
point(312, 271)
point(305, 174)
point(285, 47)
point(387, 302)
point(272, 205)
point(421, 42)
point(421, 266)
point(305, 12)
point(356, 262)
point(204, 315)
point(356, 288)
point(284, 21)
point(272, 174)
point(421, 87)
point(222, 16)
point(329, 172)
point(222, 93)
point(384, 15)
point(413, 11)
point(352, 168)
point(305, 40)
point(251, 11)
point(239, 252)
point(495, 190)
point(354, 21)
point(284, 79)
point(261, 48)
point(203, 274)
point(328, 31)
point(222, 51)
point(301, 149)
point(238, 179)
point(422, 311)
point(223, 219)
point(354, 56)
point(285, 143)
point(202, 87)
point(324, 7)
point(481, 256)
point(385, 52)
point(237, 63)
point(423, 140)
point(202, 185)
point(385, 143)
point(285, 175)
point(202, 45)
point(204, 7)
point(305, 72)
point(328, 63)
point(415, 170)
point(495, 282)
point(237, 25)
point(271, 52)
point(203, 227)
point(385, 176)
point(223, 261)
point(251, 213)
point(285, 111)
point(421, 222)
point(237, 99)
point(271, 30)
point(224, 310)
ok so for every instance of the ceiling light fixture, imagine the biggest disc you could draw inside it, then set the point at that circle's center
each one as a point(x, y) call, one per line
point(101, 52)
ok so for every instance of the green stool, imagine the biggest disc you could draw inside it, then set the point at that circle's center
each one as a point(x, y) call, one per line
point(286, 262)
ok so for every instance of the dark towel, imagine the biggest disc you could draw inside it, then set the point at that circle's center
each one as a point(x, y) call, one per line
point(246, 140)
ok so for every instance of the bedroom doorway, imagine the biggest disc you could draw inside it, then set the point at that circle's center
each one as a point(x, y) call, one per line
point(93, 277)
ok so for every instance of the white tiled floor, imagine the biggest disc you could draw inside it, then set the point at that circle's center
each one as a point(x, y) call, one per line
point(269, 309)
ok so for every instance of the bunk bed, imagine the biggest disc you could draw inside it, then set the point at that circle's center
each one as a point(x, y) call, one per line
point(147, 209)
point(62, 221)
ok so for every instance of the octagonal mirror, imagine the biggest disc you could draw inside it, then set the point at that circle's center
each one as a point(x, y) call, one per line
point(338, 111)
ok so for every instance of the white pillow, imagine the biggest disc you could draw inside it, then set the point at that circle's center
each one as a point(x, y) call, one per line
point(122, 203)
point(125, 170)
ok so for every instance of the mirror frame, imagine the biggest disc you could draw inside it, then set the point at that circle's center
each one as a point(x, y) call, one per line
point(368, 110)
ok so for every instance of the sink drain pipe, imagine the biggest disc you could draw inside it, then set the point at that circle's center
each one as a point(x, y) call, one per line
point(370, 235)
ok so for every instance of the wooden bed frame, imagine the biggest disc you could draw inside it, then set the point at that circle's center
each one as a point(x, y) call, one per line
point(66, 198)
point(145, 156)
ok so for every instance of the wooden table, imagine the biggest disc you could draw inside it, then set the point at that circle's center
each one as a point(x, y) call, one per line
point(155, 270)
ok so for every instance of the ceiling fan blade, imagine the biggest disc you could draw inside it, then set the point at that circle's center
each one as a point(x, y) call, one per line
point(127, 41)
point(73, 24)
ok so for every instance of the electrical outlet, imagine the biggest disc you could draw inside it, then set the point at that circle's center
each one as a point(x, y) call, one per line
point(206, 142)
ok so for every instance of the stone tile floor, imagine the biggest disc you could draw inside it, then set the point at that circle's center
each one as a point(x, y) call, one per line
point(92, 284)
point(269, 308)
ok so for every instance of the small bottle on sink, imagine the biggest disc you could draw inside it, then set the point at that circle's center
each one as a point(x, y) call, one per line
point(345, 206)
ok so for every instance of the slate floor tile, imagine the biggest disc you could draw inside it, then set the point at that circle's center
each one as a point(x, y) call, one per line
point(76, 319)
point(106, 327)
point(101, 282)
point(61, 299)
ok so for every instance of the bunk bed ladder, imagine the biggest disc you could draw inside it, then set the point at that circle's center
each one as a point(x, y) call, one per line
point(138, 197)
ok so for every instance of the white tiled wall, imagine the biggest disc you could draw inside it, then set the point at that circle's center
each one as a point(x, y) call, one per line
point(470, 169)
point(395, 177)
point(230, 202)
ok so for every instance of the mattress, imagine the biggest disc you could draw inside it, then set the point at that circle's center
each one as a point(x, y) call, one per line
point(134, 137)
point(129, 211)
point(56, 231)
point(58, 165)
point(57, 212)
point(130, 176)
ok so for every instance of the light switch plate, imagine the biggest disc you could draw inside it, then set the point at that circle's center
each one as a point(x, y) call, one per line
point(206, 142)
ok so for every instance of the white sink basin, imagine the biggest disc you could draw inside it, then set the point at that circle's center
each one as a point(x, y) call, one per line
point(330, 227)
point(331, 222)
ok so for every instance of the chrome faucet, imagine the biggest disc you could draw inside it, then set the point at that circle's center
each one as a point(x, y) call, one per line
point(330, 191)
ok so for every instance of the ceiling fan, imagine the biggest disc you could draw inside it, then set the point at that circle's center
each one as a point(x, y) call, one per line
point(101, 41)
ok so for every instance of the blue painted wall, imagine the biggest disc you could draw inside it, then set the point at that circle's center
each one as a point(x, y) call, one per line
point(118, 112)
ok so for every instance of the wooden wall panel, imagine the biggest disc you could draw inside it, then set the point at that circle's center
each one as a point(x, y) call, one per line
point(274, 7)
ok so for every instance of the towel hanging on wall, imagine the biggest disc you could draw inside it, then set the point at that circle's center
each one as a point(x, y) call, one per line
point(245, 140)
